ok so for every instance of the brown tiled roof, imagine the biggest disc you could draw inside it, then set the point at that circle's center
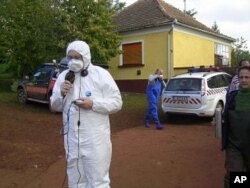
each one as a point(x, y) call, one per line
point(153, 13)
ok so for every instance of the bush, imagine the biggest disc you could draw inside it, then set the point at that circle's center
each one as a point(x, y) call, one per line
point(6, 79)
point(5, 84)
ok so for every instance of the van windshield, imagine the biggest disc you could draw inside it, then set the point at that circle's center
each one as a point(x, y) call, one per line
point(184, 84)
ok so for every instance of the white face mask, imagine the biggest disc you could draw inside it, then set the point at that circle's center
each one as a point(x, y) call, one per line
point(75, 65)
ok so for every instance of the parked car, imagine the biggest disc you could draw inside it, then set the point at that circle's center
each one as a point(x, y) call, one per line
point(38, 87)
point(197, 93)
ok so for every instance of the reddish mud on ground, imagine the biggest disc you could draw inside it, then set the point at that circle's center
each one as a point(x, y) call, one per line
point(185, 154)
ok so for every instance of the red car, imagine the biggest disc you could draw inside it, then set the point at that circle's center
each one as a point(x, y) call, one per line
point(38, 87)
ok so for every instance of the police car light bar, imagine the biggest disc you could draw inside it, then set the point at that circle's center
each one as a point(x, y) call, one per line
point(203, 69)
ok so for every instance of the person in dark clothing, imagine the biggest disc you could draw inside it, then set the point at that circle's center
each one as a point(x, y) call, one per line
point(153, 92)
point(236, 127)
point(234, 85)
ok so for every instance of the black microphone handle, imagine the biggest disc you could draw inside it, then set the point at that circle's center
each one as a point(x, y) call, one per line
point(70, 76)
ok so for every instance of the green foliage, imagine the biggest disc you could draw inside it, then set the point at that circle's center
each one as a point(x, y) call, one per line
point(28, 37)
point(5, 84)
point(191, 12)
point(240, 51)
point(91, 21)
point(3, 68)
point(215, 27)
point(34, 32)
point(4, 75)
point(8, 97)
point(13, 86)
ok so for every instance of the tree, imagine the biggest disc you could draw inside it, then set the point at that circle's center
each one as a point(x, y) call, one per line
point(240, 51)
point(116, 4)
point(215, 27)
point(91, 21)
point(191, 12)
point(28, 36)
point(34, 32)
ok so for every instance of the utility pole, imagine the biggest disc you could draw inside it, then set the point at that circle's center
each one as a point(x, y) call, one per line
point(184, 7)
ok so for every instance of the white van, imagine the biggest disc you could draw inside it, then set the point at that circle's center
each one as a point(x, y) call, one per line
point(198, 93)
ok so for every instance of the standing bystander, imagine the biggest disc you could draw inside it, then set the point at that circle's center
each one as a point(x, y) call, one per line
point(234, 85)
point(236, 127)
point(153, 92)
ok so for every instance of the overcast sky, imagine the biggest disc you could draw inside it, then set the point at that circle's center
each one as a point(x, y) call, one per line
point(231, 16)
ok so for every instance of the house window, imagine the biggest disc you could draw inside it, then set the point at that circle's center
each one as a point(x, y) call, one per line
point(132, 54)
point(221, 55)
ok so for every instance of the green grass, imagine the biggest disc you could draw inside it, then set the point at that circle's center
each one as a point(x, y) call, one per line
point(134, 100)
point(8, 97)
point(132, 103)
point(131, 115)
point(130, 100)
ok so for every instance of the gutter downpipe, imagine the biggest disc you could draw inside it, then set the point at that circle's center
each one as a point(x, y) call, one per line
point(169, 50)
point(169, 55)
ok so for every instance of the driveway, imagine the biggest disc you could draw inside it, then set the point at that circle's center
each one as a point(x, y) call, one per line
point(180, 156)
point(185, 154)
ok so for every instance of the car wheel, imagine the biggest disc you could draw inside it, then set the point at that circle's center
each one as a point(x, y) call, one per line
point(22, 96)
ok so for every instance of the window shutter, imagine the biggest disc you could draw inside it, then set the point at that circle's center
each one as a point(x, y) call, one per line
point(132, 53)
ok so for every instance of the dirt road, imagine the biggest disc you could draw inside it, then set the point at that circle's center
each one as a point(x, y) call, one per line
point(185, 154)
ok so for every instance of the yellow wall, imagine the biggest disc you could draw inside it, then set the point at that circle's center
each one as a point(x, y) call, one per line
point(189, 50)
point(155, 55)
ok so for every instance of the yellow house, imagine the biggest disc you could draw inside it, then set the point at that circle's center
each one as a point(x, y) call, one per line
point(157, 35)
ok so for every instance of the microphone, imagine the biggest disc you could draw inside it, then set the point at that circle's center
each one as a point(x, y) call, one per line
point(70, 76)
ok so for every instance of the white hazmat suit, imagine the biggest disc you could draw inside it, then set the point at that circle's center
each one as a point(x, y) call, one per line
point(87, 131)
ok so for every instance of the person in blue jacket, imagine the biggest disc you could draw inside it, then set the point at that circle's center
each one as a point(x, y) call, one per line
point(153, 92)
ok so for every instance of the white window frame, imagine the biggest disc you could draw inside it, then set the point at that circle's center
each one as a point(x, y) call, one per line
point(131, 42)
point(222, 50)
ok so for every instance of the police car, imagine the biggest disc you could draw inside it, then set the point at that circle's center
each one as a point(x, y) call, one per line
point(197, 93)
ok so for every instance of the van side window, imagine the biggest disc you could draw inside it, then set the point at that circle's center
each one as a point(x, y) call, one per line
point(218, 81)
point(42, 75)
point(212, 82)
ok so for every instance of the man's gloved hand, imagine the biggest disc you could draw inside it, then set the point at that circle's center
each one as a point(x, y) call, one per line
point(65, 87)
point(85, 103)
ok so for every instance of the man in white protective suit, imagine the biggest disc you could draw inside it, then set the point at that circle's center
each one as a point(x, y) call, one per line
point(86, 94)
